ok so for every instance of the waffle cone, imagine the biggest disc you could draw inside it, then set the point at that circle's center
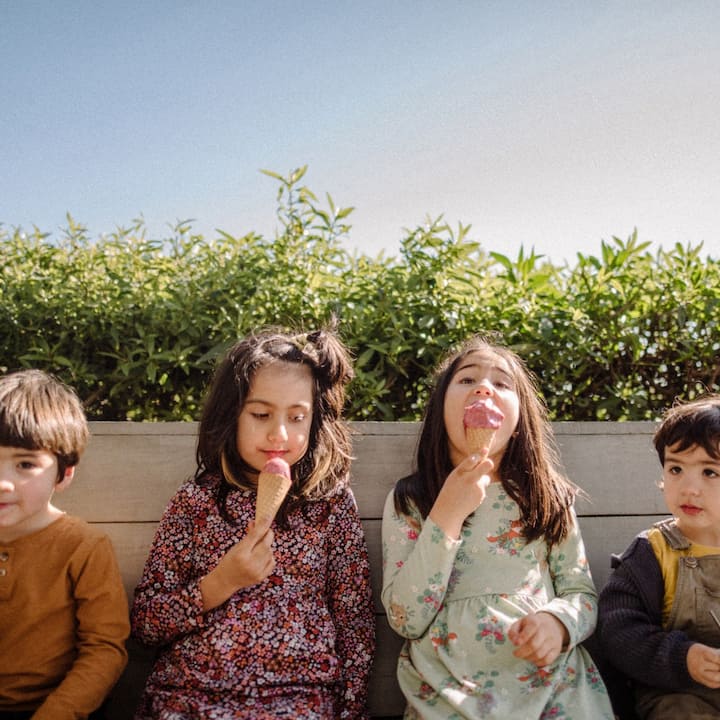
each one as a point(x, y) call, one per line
point(479, 439)
point(271, 491)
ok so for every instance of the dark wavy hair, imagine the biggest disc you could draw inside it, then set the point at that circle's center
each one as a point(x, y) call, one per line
point(39, 412)
point(688, 424)
point(529, 469)
point(325, 466)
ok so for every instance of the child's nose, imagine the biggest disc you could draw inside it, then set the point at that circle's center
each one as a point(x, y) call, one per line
point(484, 388)
point(278, 432)
point(692, 485)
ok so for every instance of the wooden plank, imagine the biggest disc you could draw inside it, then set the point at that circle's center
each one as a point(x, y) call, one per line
point(380, 461)
point(385, 696)
point(604, 536)
point(618, 471)
point(130, 470)
point(131, 542)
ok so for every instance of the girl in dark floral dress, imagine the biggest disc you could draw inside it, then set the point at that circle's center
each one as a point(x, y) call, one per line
point(258, 621)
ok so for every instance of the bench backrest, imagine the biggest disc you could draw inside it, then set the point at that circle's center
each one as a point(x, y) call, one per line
point(131, 470)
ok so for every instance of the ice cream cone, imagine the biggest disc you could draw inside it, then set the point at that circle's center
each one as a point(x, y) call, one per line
point(479, 439)
point(273, 485)
point(481, 420)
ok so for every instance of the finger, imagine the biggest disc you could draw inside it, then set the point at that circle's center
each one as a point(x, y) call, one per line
point(470, 463)
point(518, 632)
point(259, 532)
point(529, 630)
point(475, 462)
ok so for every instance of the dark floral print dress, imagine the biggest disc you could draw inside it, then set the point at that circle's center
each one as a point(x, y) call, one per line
point(297, 645)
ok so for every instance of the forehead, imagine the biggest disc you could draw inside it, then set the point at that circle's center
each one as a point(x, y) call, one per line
point(485, 360)
point(289, 382)
point(14, 452)
point(695, 453)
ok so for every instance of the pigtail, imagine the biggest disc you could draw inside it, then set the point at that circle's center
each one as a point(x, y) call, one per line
point(326, 465)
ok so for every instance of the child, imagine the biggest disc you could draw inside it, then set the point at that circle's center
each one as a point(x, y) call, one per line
point(252, 622)
point(63, 609)
point(659, 619)
point(485, 573)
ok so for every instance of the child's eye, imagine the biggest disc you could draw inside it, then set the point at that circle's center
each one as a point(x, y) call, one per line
point(674, 469)
point(466, 380)
point(259, 416)
point(711, 473)
point(26, 465)
point(297, 418)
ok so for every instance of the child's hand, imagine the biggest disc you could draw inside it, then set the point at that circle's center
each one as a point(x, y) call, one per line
point(704, 665)
point(246, 563)
point(539, 638)
point(462, 493)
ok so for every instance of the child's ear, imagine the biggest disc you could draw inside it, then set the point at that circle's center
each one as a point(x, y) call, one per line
point(66, 480)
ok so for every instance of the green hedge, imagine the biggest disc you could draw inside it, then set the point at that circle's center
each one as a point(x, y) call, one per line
point(137, 324)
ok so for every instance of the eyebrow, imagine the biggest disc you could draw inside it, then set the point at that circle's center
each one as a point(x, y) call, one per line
point(267, 403)
point(478, 365)
point(680, 458)
point(26, 453)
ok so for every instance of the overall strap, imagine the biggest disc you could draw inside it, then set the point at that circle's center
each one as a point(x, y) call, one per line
point(673, 537)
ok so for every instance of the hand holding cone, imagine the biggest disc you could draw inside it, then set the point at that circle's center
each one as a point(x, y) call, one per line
point(273, 485)
point(482, 420)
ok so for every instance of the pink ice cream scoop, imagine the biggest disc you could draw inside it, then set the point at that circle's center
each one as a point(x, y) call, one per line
point(481, 420)
point(277, 466)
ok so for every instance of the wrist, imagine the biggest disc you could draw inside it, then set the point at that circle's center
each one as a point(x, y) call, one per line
point(448, 523)
point(214, 589)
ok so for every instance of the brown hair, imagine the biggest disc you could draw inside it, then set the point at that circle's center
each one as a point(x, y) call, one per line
point(39, 412)
point(688, 424)
point(326, 464)
point(529, 467)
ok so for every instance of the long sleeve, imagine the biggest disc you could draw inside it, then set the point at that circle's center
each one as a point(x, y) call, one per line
point(350, 601)
point(102, 627)
point(64, 622)
point(576, 601)
point(168, 602)
point(418, 560)
point(630, 628)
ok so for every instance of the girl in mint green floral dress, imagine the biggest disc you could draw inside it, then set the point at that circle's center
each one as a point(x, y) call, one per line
point(485, 572)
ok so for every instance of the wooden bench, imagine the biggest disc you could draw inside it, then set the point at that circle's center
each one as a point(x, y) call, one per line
point(131, 470)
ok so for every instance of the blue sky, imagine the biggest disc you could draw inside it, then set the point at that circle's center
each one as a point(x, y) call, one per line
point(551, 125)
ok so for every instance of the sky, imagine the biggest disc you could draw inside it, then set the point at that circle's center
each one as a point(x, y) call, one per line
point(549, 125)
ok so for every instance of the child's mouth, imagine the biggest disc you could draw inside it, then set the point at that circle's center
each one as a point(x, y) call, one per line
point(691, 509)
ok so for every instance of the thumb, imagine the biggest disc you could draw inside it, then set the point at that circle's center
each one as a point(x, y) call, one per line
point(256, 531)
point(516, 631)
point(474, 462)
point(477, 462)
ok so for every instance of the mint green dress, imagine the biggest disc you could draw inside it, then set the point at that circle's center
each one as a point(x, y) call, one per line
point(454, 601)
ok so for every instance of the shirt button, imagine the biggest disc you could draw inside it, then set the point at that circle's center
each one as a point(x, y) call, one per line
point(3, 572)
point(4, 556)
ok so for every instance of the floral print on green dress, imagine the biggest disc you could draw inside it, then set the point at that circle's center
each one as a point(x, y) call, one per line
point(466, 594)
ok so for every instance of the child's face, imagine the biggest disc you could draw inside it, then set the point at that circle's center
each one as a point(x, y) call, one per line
point(691, 485)
point(276, 418)
point(28, 479)
point(481, 374)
